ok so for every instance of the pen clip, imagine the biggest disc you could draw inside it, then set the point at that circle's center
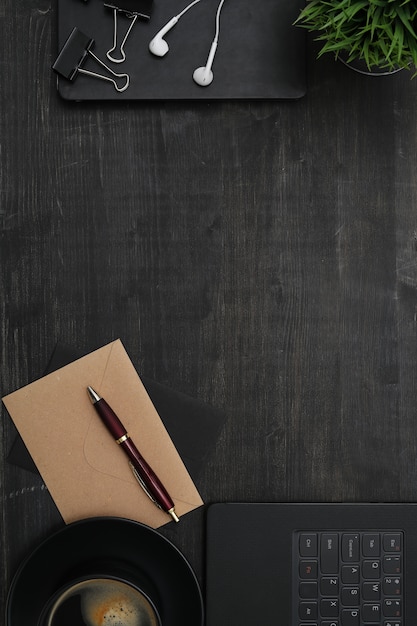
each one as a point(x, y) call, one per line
point(142, 484)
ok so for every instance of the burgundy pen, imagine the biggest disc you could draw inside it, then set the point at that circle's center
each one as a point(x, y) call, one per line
point(144, 474)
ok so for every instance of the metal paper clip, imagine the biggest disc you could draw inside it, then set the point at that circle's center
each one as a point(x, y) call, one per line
point(73, 54)
point(132, 9)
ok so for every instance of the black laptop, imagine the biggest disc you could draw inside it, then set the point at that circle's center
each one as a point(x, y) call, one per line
point(271, 564)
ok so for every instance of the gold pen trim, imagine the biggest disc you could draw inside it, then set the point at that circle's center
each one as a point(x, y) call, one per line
point(123, 438)
point(174, 516)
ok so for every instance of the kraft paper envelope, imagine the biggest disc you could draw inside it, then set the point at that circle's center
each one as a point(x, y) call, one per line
point(86, 472)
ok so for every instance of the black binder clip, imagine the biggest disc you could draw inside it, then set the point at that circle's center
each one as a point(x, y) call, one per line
point(132, 9)
point(73, 54)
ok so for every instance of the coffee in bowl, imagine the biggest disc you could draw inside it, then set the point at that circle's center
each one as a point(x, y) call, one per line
point(101, 601)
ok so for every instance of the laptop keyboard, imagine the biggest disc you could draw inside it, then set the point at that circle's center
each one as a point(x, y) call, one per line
point(348, 578)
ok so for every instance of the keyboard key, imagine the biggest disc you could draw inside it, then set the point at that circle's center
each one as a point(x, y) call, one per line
point(329, 586)
point(392, 585)
point(308, 570)
point(308, 544)
point(329, 553)
point(350, 548)
point(392, 542)
point(350, 574)
point(308, 610)
point(392, 608)
point(329, 607)
point(372, 569)
point(308, 590)
point(371, 612)
point(371, 545)
point(350, 596)
point(350, 617)
point(371, 591)
point(392, 565)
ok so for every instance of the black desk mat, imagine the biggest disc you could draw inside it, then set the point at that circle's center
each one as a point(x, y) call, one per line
point(260, 54)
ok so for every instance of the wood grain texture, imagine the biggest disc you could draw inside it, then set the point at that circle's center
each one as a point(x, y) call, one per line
point(259, 256)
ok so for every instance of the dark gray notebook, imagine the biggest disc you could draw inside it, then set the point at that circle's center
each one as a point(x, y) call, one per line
point(260, 53)
point(311, 564)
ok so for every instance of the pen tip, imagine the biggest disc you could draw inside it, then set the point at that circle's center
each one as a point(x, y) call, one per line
point(173, 515)
point(93, 395)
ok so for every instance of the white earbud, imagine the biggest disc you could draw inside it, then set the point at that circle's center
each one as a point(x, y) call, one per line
point(203, 76)
point(158, 45)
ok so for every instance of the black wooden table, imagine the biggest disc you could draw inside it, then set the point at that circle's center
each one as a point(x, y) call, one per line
point(260, 256)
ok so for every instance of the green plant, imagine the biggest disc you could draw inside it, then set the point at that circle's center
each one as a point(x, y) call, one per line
point(379, 32)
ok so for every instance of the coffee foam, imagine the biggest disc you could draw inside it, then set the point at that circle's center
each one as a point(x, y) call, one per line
point(106, 602)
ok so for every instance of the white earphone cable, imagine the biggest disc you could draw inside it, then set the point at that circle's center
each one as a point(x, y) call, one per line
point(219, 8)
point(187, 8)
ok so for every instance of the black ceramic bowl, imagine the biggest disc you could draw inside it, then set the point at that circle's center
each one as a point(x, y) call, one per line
point(107, 546)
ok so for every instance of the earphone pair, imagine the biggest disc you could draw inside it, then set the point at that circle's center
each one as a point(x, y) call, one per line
point(203, 75)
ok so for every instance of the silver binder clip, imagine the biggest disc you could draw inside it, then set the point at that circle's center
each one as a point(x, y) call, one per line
point(74, 53)
point(132, 9)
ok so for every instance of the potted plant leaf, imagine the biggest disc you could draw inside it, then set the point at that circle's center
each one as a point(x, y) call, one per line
point(379, 34)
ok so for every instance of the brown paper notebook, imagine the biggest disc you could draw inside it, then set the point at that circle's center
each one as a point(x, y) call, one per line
point(85, 472)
